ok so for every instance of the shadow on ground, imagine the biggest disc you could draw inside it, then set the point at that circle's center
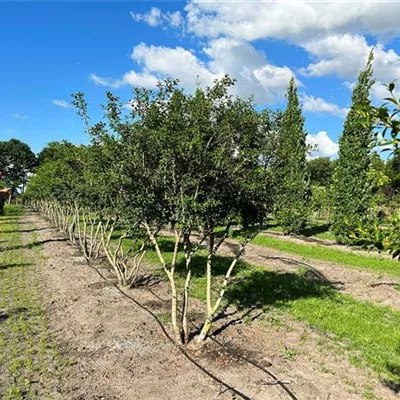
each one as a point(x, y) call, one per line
point(14, 221)
point(394, 369)
point(307, 234)
point(33, 244)
point(25, 230)
point(5, 314)
point(262, 288)
point(13, 265)
point(315, 229)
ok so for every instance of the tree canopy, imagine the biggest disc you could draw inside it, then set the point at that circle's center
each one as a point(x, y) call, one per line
point(192, 164)
point(17, 160)
point(321, 170)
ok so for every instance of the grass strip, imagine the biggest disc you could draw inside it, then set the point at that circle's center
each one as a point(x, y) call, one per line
point(334, 256)
point(30, 365)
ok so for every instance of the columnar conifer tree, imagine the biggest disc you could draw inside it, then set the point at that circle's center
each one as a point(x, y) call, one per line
point(292, 189)
point(351, 189)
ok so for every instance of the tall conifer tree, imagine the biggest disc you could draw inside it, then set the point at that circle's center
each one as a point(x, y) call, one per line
point(351, 189)
point(292, 176)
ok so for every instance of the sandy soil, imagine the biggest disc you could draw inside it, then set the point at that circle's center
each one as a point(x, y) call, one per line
point(118, 350)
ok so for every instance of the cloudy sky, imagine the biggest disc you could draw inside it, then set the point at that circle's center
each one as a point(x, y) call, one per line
point(52, 49)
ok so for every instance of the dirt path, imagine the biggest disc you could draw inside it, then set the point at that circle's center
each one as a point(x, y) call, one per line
point(117, 350)
point(362, 285)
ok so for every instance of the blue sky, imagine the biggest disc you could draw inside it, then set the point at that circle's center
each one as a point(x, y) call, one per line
point(52, 49)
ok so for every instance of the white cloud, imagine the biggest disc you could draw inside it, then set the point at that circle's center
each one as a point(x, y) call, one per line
point(156, 18)
point(267, 82)
point(331, 32)
point(19, 116)
point(102, 81)
point(255, 76)
point(130, 78)
point(62, 103)
point(158, 62)
point(349, 85)
point(293, 20)
point(319, 105)
point(344, 55)
point(128, 106)
point(152, 18)
point(325, 146)
point(174, 62)
point(175, 18)
point(140, 79)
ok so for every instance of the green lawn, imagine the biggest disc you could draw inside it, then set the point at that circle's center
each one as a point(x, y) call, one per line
point(335, 256)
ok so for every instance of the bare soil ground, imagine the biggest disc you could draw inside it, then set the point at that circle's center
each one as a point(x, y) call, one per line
point(118, 350)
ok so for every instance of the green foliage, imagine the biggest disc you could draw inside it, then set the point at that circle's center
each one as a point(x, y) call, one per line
point(392, 170)
point(371, 235)
point(387, 127)
point(292, 188)
point(54, 151)
point(194, 161)
point(321, 201)
point(16, 162)
point(385, 118)
point(351, 187)
point(380, 233)
point(378, 181)
point(60, 177)
point(190, 162)
point(321, 169)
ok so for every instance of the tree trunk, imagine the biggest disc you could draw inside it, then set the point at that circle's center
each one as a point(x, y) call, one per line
point(171, 276)
point(211, 313)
